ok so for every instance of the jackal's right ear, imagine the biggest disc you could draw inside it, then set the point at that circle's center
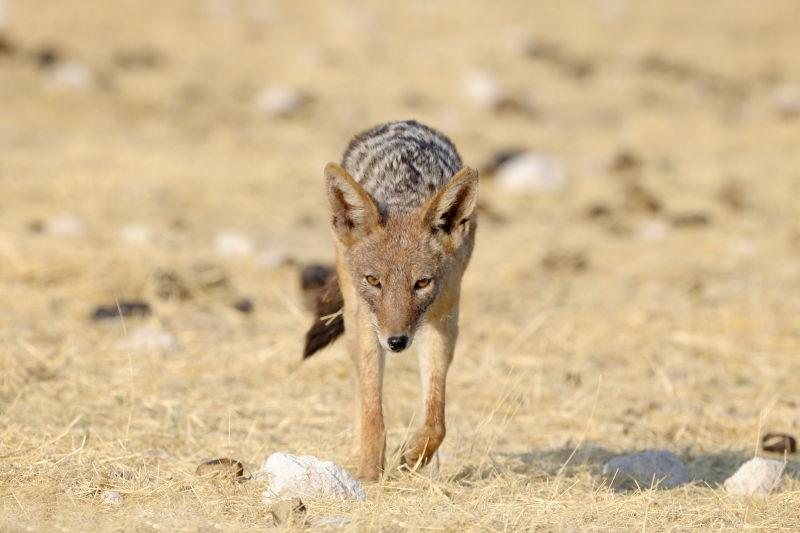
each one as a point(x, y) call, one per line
point(355, 214)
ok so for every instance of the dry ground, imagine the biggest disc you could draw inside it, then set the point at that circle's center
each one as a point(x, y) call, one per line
point(593, 322)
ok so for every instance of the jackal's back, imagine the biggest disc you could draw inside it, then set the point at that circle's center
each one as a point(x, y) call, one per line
point(401, 164)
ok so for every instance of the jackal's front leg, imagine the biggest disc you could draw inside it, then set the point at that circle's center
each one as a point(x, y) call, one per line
point(369, 363)
point(438, 341)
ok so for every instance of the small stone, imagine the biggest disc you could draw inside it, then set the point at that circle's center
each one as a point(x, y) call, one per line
point(786, 101)
point(222, 467)
point(280, 101)
point(147, 339)
point(232, 244)
point(136, 234)
point(112, 497)
point(124, 309)
point(756, 477)
point(531, 173)
point(646, 469)
point(284, 510)
point(244, 305)
point(70, 75)
point(306, 477)
point(65, 225)
point(484, 90)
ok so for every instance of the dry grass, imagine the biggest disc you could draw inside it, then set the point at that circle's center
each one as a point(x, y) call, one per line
point(683, 338)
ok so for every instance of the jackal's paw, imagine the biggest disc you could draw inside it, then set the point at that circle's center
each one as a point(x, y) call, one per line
point(368, 474)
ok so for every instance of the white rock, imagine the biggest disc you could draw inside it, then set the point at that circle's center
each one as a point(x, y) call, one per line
point(653, 230)
point(484, 90)
point(112, 497)
point(65, 225)
point(233, 244)
point(531, 173)
point(786, 100)
point(136, 234)
point(147, 339)
point(646, 469)
point(281, 101)
point(756, 477)
point(307, 478)
point(70, 75)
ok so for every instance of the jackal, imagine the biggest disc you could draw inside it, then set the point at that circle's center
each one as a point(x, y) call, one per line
point(403, 221)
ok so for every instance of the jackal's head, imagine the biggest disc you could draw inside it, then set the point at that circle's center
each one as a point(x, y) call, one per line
point(400, 261)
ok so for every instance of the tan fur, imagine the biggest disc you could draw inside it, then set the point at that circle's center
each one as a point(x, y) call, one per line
point(435, 242)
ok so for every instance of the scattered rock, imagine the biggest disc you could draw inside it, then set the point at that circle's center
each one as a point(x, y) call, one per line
point(653, 230)
point(232, 244)
point(280, 101)
point(779, 443)
point(148, 339)
point(284, 510)
point(306, 477)
point(694, 219)
point(70, 75)
point(136, 234)
point(646, 469)
point(756, 477)
point(786, 101)
point(222, 467)
point(112, 497)
point(65, 225)
point(565, 260)
point(499, 159)
point(244, 305)
point(125, 309)
point(484, 90)
point(531, 173)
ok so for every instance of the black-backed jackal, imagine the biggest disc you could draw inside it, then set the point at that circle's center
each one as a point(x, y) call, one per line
point(403, 221)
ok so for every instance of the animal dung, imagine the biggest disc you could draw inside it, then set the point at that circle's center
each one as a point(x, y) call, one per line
point(222, 467)
point(778, 443)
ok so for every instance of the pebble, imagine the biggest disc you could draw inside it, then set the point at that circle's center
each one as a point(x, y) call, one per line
point(484, 90)
point(147, 339)
point(646, 469)
point(531, 173)
point(232, 244)
point(65, 225)
point(308, 478)
point(756, 477)
point(70, 75)
point(280, 101)
point(112, 497)
point(786, 100)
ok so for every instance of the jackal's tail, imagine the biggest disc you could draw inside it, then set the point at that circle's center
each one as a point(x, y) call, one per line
point(328, 317)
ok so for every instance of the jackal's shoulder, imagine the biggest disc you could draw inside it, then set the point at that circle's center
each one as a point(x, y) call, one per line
point(401, 164)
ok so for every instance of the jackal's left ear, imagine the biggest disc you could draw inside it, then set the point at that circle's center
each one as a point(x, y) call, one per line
point(450, 210)
point(354, 213)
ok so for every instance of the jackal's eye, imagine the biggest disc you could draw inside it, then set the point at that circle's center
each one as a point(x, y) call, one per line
point(372, 280)
point(422, 283)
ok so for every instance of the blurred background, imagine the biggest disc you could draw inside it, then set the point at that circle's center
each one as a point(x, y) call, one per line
point(639, 218)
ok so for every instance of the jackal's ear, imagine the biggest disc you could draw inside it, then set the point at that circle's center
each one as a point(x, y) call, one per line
point(450, 210)
point(354, 213)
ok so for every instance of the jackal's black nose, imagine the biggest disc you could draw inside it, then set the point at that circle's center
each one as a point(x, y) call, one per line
point(397, 344)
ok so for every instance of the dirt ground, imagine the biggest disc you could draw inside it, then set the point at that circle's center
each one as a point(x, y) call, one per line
point(651, 303)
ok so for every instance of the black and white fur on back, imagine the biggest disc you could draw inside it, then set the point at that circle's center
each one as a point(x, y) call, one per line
point(401, 165)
